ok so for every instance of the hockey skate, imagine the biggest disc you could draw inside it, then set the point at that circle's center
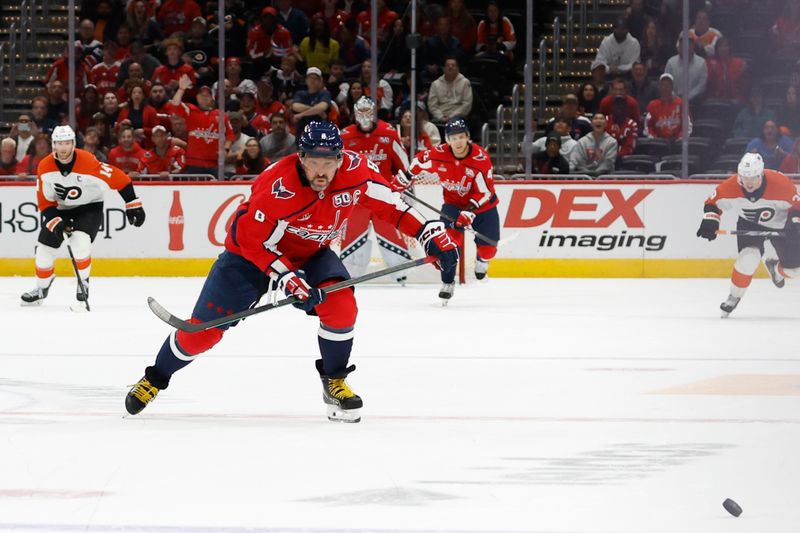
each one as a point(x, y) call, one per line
point(729, 305)
point(343, 404)
point(446, 292)
point(36, 296)
point(145, 391)
point(774, 275)
point(481, 268)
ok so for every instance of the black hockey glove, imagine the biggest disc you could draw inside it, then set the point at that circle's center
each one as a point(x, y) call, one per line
point(293, 285)
point(708, 229)
point(437, 243)
point(135, 212)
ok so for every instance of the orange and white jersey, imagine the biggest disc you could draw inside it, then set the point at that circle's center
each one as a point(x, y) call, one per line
point(85, 182)
point(767, 206)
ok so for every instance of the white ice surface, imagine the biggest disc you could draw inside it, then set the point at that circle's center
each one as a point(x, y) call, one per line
point(526, 405)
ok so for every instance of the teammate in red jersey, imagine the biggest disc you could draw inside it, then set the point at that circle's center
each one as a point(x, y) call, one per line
point(465, 171)
point(765, 200)
point(70, 187)
point(380, 143)
point(280, 237)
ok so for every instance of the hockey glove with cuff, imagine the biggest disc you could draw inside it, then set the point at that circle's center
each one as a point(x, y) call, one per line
point(401, 181)
point(53, 221)
point(465, 219)
point(437, 243)
point(135, 212)
point(293, 285)
point(709, 226)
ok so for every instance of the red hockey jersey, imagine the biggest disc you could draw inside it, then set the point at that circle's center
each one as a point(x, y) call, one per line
point(768, 206)
point(127, 160)
point(203, 127)
point(467, 182)
point(173, 161)
point(104, 77)
point(285, 221)
point(382, 146)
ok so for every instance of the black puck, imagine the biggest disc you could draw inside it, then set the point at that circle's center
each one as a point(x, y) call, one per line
point(732, 507)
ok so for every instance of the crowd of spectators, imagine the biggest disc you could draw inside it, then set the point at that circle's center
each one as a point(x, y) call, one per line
point(147, 71)
point(637, 85)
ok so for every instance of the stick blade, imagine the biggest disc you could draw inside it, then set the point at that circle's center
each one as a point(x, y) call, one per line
point(168, 317)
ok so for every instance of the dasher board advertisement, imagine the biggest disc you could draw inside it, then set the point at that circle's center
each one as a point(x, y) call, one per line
point(548, 229)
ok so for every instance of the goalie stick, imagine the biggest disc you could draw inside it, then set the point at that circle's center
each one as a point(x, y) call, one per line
point(192, 327)
point(750, 233)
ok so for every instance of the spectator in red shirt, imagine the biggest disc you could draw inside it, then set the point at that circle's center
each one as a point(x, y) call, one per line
point(622, 127)
point(333, 17)
point(251, 160)
point(59, 70)
point(128, 155)
point(8, 157)
point(139, 115)
point(124, 42)
point(386, 18)
point(104, 74)
point(726, 74)
point(202, 125)
point(169, 73)
point(463, 25)
point(620, 88)
point(158, 100)
point(265, 103)
point(664, 119)
point(268, 42)
point(30, 163)
point(164, 158)
point(177, 15)
point(90, 104)
point(135, 78)
point(254, 123)
point(787, 27)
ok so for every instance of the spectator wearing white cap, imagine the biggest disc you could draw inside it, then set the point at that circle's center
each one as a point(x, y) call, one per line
point(619, 50)
point(664, 119)
point(164, 158)
point(314, 103)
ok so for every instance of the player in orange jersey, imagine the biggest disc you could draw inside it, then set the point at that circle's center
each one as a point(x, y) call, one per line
point(70, 187)
point(766, 201)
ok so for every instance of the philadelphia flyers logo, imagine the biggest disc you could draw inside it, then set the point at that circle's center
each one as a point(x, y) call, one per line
point(279, 191)
point(765, 214)
point(67, 193)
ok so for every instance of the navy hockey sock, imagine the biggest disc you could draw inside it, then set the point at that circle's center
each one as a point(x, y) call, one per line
point(167, 362)
point(335, 346)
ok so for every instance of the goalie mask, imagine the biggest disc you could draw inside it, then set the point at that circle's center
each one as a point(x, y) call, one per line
point(364, 110)
point(62, 151)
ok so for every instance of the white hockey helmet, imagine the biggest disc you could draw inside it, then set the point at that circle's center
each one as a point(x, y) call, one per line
point(364, 110)
point(63, 133)
point(751, 166)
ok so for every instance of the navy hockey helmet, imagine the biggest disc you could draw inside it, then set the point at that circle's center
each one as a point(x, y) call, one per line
point(320, 139)
point(455, 125)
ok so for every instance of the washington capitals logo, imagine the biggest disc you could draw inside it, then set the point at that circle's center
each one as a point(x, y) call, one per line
point(279, 191)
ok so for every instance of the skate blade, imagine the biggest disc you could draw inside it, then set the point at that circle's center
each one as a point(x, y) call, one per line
point(725, 314)
point(337, 414)
point(78, 308)
point(23, 303)
point(445, 301)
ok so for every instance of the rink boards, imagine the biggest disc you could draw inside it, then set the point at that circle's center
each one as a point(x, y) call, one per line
point(558, 229)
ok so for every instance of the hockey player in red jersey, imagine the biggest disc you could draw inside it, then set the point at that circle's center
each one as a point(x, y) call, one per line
point(70, 187)
point(765, 200)
point(281, 238)
point(380, 143)
point(465, 172)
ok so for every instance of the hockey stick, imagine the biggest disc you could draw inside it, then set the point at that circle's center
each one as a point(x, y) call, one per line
point(191, 327)
point(451, 219)
point(750, 233)
point(81, 286)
